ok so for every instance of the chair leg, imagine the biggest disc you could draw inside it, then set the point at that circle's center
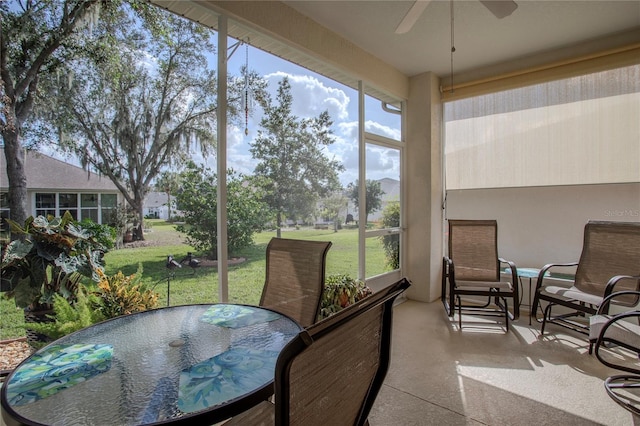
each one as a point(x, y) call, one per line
point(546, 314)
point(452, 301)
point(506, 312)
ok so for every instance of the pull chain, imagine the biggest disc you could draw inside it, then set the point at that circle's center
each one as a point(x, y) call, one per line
point(246, 91)
point(453, 47)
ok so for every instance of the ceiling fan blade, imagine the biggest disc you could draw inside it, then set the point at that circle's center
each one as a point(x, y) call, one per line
point(412, 16)
point(500, 8)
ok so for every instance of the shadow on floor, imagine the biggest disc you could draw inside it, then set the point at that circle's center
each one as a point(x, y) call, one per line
point(441, 375)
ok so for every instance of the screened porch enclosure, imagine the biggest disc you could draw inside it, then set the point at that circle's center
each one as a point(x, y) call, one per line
point(544, 189)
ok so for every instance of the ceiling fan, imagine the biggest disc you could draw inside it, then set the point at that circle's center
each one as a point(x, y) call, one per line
point(500, 8)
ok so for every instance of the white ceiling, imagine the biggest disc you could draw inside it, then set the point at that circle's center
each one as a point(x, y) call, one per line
point(481, 39)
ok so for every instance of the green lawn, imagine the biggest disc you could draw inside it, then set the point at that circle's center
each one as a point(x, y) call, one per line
point(245, 279)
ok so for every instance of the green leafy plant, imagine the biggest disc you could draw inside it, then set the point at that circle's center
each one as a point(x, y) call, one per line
point(69, 317)
point(391, 243)
point(104, 234)
point(197, 199)
point(121, 294)
point(51, 258)
point(340, 291)
point(116, 295)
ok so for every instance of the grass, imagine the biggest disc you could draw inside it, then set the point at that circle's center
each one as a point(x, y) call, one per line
point(245, 279)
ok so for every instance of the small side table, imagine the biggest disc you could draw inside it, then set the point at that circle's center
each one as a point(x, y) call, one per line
point(530, 273)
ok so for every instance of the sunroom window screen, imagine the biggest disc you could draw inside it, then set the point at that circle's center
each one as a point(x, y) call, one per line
point(580, 130)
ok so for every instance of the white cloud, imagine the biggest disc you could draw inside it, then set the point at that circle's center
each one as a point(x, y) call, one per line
point(311, 96)
point(239, 157)
point(350, 129)
point(147, 60)
point(382, 130)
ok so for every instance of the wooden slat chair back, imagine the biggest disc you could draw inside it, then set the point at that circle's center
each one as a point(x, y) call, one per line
point(331, 373)
point(295, 274)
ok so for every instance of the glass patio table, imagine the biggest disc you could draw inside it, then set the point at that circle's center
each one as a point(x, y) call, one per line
point(189, 364)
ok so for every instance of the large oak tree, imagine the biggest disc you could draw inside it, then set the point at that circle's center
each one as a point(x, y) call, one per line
point(36, 38)
point(144, 101)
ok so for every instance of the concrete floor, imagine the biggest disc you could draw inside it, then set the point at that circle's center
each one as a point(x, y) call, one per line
point(480, 375)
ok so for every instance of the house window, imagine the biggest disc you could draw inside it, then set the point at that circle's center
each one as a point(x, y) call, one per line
point(89, 207)
point(108, 204)
point(97, 207)
point(68, 202)
point(5, 232)
point(45, 204)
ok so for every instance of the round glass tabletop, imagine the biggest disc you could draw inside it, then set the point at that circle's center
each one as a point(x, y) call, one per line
point(166, 364)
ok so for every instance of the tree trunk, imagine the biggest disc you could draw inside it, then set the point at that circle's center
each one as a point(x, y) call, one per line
point(140, 213)
point(17, 178)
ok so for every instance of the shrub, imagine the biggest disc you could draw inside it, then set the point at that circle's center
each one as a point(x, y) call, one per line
point(121, 294)
point(197, 200)
point(105, 235)
point(54, 254)
point(391, 243)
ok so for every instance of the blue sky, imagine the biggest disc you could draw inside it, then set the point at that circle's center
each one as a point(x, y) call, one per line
point(312, 94)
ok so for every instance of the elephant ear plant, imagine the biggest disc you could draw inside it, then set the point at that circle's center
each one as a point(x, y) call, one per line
point(51, 257)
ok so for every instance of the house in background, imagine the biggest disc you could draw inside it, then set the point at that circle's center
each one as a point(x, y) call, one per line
point(54, 187)
point(156, 206)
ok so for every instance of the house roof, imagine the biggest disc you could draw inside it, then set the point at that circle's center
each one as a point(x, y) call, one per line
point(155, 200)
point(391, 188)
point(47, 173)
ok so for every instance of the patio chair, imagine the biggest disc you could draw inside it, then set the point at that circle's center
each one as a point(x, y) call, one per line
point(621, 332)
point(295, 276)
point(617, 345)
point(610, 261)
point(472, 268)
point(331, 373)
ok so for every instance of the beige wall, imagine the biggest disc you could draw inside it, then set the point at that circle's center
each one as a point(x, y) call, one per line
point(423, 177)
point(543, 225)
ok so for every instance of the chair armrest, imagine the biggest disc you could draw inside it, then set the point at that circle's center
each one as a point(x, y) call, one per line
point(509, 262)
point(512, 266)
point(604, 306)
point(447, 269)
point(614, 280)
point(629, 344)
point(610, 287)
point(545, 268)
